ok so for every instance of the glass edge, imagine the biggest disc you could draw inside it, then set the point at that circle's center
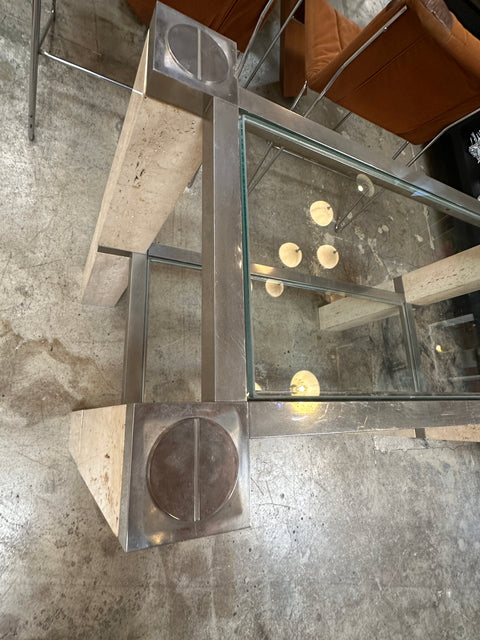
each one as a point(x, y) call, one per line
point(355, 163)
point(249, 345)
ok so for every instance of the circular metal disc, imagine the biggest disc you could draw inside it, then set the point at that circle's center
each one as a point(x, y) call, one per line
point(192, 469)
point(197, 53)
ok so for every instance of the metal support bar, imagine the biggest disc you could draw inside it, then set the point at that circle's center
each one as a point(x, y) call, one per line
point(272, 44)
point(262, 17)
point(277, 418)
point(329, 84)
point(318, 283)
point(34, 49)
point(410, 336)
point(72, 65)
point(175, 256)
point(135, 334)
point(49, 22)
point(223, 318)
point(193, 260)
point(253, 182)
point(444, 130)
point(413, 352)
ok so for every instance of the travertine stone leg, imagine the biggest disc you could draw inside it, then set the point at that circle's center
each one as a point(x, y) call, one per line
point(453, 276)
point(158, 152)
point(97, 439)
point(447, 278)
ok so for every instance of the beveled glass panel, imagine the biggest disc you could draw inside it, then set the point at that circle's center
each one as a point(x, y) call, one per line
point(316, 216)
point(448, 335)
point(312, 343)
point(173, 369)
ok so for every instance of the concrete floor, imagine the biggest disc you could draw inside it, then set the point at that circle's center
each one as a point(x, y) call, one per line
point(352, 537)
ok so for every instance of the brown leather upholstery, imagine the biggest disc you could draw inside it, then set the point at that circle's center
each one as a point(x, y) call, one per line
point(235, 19)
point(420, 75)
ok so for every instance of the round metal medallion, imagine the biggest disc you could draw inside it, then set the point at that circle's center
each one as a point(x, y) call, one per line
point(192, 469)
point(197, 53)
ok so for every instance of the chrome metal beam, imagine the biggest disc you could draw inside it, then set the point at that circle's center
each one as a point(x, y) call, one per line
point(318, 283)
point(268, 419)
point(312, 140)
point(223, 322)
point(135, 334)
point(34, 50)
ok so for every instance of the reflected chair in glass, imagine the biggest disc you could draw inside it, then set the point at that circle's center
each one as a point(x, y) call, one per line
point(413, 70)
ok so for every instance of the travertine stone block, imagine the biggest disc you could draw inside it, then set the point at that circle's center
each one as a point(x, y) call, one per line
point(97, 438)
point(159, 150)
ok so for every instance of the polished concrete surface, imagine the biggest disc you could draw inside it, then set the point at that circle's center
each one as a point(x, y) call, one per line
point(352, 537)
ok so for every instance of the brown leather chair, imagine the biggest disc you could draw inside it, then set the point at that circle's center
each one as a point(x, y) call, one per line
point(421, 74)
point(235, 19)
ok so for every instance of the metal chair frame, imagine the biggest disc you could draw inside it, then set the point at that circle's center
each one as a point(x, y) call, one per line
point(36, 41)
point(259, 173)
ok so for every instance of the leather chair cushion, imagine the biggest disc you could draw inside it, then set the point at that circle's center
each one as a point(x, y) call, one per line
point(421, 74)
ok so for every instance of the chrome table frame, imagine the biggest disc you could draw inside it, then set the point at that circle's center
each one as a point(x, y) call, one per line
point(224, 348)
point(223, 272)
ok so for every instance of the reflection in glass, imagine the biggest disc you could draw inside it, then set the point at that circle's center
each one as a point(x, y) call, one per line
point(321, 212)
point(173, 363)
point(448, 334)
point(347, 345)
point(290, 254)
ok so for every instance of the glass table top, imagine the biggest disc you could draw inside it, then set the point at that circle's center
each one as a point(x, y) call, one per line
point(326, 244)
point(326, 241)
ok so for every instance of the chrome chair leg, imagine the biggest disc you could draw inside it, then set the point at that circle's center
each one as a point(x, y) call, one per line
point(444, 130)
point(34, 52)
point(322, 94)
point(400, 149)
point(36, 41)
point(342, 121)
point(262, 17)
point(272, 44)
point(51, 18)
point(253, 183)
point(345, 221)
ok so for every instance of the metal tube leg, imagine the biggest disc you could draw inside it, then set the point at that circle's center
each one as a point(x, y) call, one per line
point(344, 222)
point(272, 44)
point(345, 216)
point(242, 62)
point(399, 150)
point(444, 130)
point(344, 119)
point(49, 23)
point(135, 334)
point(34, 51)
point(223, 310)
point(253, 183)
point(257, 176)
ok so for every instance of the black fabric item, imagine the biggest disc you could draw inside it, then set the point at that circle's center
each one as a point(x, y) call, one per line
point(467, 13)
